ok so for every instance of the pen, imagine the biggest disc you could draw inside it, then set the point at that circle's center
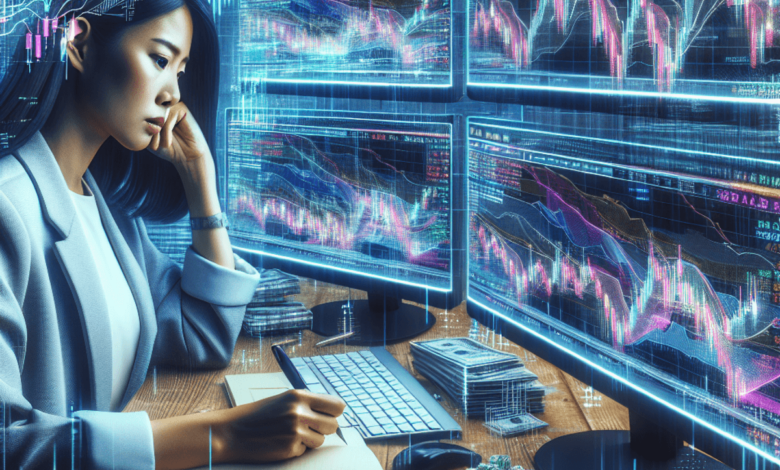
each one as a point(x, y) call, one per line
point(334, 339)
point(293, 376)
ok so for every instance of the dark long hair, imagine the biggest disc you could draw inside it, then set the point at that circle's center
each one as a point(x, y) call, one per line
point(139, 183)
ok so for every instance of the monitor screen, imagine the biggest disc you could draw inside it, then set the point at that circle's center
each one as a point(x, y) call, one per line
point(717, 50)
point(655, 261)
point(399, 43)
point(363, 196)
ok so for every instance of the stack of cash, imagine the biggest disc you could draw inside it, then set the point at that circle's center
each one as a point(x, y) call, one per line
point(509, 421)
point(477, 377)
point(270, 312)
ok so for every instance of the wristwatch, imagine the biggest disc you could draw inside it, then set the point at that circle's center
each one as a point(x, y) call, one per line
point(214, 221)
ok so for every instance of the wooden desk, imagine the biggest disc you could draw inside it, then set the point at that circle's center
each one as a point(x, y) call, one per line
point(570, 408)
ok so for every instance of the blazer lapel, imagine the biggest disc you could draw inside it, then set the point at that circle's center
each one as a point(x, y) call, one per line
point(76, 261)
point(139, 286)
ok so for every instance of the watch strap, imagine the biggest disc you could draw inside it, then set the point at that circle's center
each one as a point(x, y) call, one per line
point(214, 221)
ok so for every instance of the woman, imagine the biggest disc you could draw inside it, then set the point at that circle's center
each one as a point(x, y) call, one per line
point(86, 301)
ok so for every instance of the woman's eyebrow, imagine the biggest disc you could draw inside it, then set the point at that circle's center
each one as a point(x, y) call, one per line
point(170, 46)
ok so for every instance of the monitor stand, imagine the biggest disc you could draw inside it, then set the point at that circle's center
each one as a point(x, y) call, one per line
point(377, 321)
point(645, 447)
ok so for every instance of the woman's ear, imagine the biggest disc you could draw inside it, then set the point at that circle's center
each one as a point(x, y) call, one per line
point(77, 47)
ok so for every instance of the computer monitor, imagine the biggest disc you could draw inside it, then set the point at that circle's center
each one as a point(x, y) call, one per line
point(643, 257)
point(353, 199)
point(296, 45)
point(723, 51)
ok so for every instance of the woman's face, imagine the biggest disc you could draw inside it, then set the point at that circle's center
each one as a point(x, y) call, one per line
point(124, 89)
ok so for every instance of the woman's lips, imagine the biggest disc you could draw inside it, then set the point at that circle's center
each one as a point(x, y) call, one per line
point(153, 128)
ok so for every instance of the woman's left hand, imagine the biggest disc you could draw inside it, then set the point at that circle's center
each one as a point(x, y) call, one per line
point(180, 141)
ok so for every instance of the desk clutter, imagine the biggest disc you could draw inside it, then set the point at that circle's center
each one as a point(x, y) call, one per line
point(483, 382)
point(272, 311)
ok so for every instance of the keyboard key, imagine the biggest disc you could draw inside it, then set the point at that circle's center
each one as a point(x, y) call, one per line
point(408, 413)
point(307, 375)
point(368, 402)
point(378, 414)
point(363, 397)
point(392, 412)
point(359, 409)
point(376, 430)
point(433, 424)
point(382, 402)
point(399, 420)
point(367, 419)
point(405, 427)
point(373, 408)
point(390, 429)
point(420, 427)
point(384, 421)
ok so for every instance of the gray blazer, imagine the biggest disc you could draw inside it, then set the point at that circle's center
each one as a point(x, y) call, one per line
point(55, 341)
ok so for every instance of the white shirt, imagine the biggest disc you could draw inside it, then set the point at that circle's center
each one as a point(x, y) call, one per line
point(122, 311)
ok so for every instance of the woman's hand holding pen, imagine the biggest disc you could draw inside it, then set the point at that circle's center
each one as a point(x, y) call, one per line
point(278, 427)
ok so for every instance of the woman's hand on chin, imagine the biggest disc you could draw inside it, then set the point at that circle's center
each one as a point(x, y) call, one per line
point(180, 141)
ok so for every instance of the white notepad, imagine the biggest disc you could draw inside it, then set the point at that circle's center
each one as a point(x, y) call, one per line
point(334, 454)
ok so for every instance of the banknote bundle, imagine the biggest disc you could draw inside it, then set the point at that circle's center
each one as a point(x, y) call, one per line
point(271, 311)
point(510, 421)
point(478, 378)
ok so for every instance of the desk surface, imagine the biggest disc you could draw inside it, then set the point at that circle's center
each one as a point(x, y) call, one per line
point(571, 407)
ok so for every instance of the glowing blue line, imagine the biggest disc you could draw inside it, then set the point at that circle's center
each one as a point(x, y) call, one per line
point(350, 271)
point(345, 82)
point(271, 113)
point(618, 142)
point(649, 94)
point(633, 386)
point(636, 79)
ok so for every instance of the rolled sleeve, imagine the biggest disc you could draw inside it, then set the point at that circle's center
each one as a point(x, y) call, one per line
point(217, 285)
point(117, 440)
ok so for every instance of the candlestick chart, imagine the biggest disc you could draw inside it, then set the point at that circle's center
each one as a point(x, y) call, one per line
point(362, 196)
point(676, 272)
point(720, 48)
point(401, 42)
